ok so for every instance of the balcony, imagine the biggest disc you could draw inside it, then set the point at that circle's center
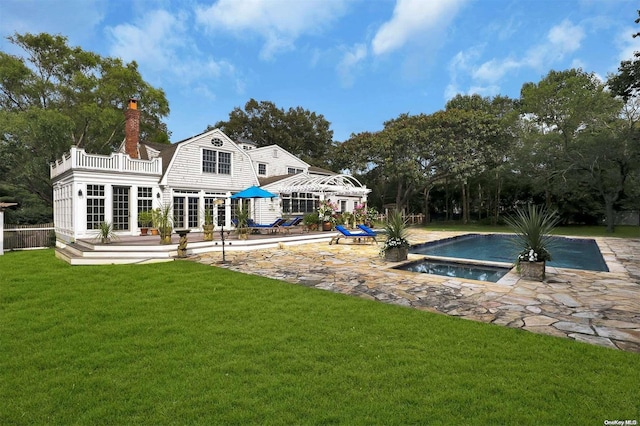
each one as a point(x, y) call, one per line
point(78, 159)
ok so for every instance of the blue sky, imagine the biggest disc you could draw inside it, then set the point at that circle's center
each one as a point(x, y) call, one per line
point(357, 62)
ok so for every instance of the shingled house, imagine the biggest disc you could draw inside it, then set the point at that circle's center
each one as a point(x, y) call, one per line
point(190, 176)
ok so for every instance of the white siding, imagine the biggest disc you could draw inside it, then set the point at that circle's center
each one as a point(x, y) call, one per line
point(185, 170)
point(277, 160)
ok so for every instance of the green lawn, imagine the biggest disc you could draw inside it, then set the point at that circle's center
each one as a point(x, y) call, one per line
point(184, 343)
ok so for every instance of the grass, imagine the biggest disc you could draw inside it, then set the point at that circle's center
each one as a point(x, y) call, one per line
point(185, 343)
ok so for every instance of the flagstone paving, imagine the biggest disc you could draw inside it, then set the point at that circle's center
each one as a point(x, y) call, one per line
point(601, 308)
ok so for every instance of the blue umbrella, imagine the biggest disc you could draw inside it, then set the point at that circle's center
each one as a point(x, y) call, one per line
point(254, 192)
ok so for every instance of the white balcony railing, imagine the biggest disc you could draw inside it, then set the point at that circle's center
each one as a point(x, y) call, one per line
point(77, 158)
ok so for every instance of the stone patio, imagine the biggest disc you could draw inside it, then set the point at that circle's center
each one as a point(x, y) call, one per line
point(601, 308)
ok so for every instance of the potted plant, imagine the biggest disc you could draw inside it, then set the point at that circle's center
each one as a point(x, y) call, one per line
point(145, 218)
point(310, 221)
point(106, 233)
point(164, 223)
point(242, 215)
point(347, 218)
point(371, 216)
point(360, 213)
point(325, 213)
point(532, 227)
point(396, 247)
point(207, 227)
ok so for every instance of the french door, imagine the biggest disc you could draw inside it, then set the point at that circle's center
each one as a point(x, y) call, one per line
point(121, 208)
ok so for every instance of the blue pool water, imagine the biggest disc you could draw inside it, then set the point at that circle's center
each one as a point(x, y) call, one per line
point(574, 253)
point(458, 270)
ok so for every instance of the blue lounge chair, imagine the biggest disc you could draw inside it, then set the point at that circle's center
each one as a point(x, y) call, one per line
point(259, 227)
point(365, 228)
point(358, 236)
point(290, 224)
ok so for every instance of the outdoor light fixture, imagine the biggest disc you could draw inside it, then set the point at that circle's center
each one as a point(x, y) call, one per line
point(158, 195)
point(219, 202)
point(79, 192)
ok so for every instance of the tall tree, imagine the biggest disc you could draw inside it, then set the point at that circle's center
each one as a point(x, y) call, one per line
point(497, 148)
point(299, 131)
point(567, 102)
point(555, 112)
point(55, 96)
point(626, 83)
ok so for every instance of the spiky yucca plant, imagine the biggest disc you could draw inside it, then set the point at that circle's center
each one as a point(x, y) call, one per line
point(396, 230)
point(533, 227)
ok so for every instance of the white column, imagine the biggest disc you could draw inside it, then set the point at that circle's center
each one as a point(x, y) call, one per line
point(1, 232)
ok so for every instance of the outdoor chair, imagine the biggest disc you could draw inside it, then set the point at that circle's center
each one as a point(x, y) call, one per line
point(366, 229)
point(357, 236)
point(259, 227)
point(291, 224)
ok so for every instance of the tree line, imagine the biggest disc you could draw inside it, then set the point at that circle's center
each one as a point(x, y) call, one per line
point(570, 141)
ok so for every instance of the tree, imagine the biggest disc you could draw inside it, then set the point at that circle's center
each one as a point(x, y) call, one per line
point(627, 82)
point(55, 96)
point(568, 102)
point(497, 148)
point(556, 112)
point(415, 152)
point(299, 131)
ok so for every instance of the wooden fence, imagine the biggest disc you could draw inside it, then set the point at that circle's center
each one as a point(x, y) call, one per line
point(20, 237)
point(411, 219)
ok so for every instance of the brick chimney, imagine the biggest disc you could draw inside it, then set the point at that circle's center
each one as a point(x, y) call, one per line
point(132, 129)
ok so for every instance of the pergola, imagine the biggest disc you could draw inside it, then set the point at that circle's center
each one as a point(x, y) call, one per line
point(323, 185)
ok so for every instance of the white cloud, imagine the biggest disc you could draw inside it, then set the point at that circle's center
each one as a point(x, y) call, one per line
point(627, 44)
point(566, 37)
point(562, 39)
point(152, 42)
point(349, 63)
point(279, 22)
point(413, 19)
point(161, 43)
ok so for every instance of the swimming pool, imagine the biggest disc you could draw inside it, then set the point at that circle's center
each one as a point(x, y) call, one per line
point(455, 269)
point(573, 253)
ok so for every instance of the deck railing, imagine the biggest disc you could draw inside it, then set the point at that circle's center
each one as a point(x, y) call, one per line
point(77, 158)
point(20, 237)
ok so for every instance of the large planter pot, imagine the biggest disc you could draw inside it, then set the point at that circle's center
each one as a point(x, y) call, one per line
point(532, 270)
point(208, 232)
point(326, 226)
point(165, 236)
point(396, 254)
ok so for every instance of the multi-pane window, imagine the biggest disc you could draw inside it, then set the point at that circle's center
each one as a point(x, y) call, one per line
point(294, 170)
point(178, 212)
point(95, 206)
point(209, 157)
point(120, 208)
point(262, 169)
point(224, 163)
point(299, 202)
point(192, 216)
point(216, 162)
point(343, 206)
point(145, 200)
point(222, 215)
